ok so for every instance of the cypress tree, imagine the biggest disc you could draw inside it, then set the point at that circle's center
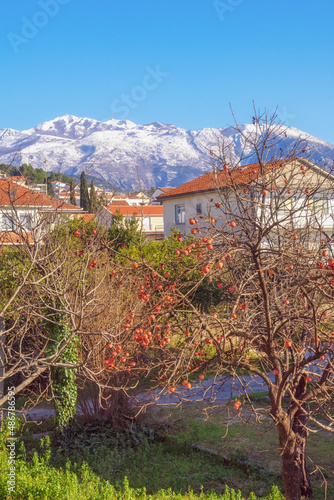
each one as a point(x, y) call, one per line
point(50, 189)
point(73, 201)
point(84, 196)
point(92, 199)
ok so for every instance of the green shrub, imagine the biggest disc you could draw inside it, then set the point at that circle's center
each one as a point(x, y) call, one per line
point(38, 480)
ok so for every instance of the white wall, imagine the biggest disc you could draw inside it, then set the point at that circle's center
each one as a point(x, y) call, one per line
point(150, 223)
point(209, 200)
point(24, 219)
point(104, 217)
point(293, 173)
point(27, 219)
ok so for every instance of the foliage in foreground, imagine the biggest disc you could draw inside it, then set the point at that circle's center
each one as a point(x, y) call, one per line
point(38, 479)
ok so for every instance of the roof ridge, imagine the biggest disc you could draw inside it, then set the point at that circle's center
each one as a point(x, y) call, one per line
point(240, 174)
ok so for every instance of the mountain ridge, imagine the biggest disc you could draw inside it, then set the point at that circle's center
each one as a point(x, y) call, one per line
point(128, 155)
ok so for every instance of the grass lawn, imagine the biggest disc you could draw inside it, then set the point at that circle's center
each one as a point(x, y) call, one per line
point(190, 446)
point(95, 468)
point(250, 447)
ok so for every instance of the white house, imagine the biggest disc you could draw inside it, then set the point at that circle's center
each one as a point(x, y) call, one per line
point(158, 192)
point(23, 210)
point(136, 198)
point(62, 192)
point(201, 198)
point(150, 217)
point(65, 195)
point(59, 185)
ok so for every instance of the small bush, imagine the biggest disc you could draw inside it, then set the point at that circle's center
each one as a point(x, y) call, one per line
point(38, 480)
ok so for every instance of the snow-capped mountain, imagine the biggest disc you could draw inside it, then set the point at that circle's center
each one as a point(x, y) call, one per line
point(129, 155)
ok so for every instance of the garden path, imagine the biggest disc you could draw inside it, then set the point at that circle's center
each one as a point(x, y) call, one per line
point(210, 390)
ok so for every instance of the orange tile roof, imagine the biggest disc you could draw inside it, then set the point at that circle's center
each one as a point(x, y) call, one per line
point(66, 194)
point(119, 203)
point(17, 178)
point(212, 180)
point(85, 217)
point(11, 238)
point(137, 195)
point(21, 196)
point(136, 209)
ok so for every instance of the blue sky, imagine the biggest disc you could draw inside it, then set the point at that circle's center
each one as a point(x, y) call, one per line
point(181, 61)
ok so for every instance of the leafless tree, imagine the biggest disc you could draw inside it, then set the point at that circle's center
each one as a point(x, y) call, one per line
point(266, 244)
point(264, 249)
point(53, 275)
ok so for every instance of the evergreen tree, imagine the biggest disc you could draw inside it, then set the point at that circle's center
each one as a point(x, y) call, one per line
point(4, 167)
point(14, 171)
point(50, 189)
point(92, 199)
point(73, 201)
point(101, 201)
point(84, 196)
point(27, 171)
point(39, 176)
point(124, 231)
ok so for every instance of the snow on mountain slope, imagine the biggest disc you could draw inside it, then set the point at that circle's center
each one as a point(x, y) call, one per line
point(130, 155)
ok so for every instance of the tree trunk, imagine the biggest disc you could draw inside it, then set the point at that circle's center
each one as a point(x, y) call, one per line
point(295, 473)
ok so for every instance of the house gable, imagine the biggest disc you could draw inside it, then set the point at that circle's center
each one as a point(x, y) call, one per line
point(200, 195)
point(149, 216)
point(22, 211)
point(240, 175)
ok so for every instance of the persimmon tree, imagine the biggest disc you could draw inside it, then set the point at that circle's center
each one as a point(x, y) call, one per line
point(249, 287)
point(266, 245)
point(61, 304)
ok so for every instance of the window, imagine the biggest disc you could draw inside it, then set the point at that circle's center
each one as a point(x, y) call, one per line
point(7, 223)
point(319, 206)
point(198, 208)
point(146, 223)
point(25, 221)
point(280, 206)
point(180, 214)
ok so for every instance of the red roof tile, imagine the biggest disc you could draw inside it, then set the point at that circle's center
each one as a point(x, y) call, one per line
point(11, 238)
point(17, 178)
point(136, 209)
point(119, 203)
point(21, 196)
point(220, 178)
point(85, 217)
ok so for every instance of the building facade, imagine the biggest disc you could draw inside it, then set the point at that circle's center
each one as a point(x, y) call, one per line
point(212, 196)
point(150, 217)
point(24, 212)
